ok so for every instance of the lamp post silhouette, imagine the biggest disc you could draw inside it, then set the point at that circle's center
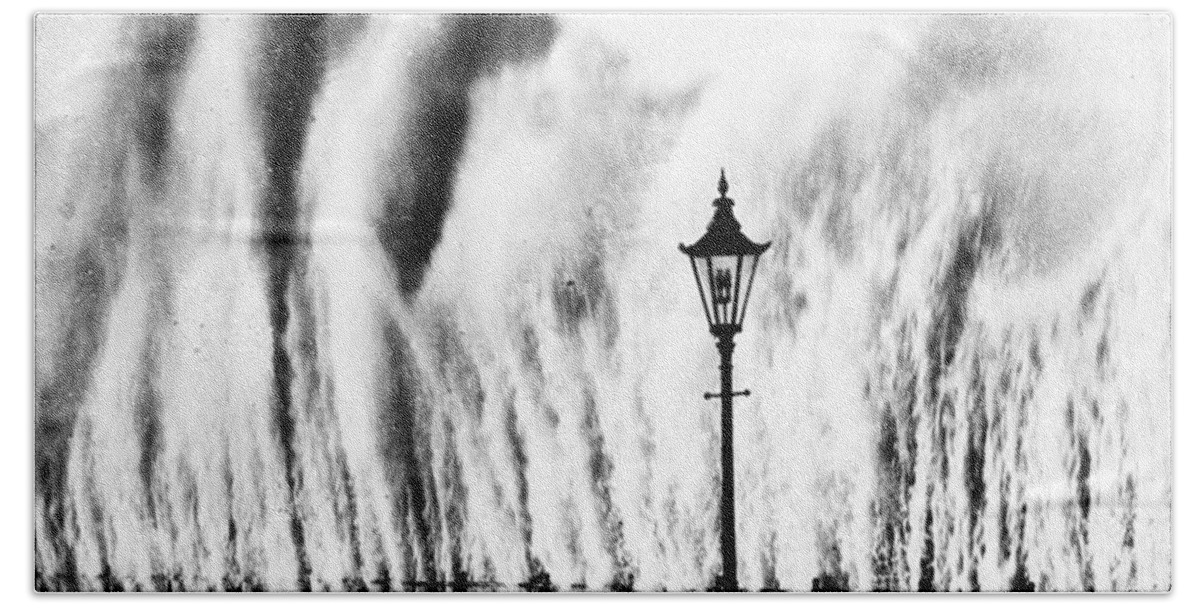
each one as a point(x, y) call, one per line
point(719, 262)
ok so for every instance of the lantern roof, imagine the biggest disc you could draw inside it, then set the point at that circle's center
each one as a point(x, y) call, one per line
point(724, 235)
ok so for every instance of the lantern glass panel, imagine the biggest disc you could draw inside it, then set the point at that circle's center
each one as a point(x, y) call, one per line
point(700, 268)
point(749, 266)
point(726, 283)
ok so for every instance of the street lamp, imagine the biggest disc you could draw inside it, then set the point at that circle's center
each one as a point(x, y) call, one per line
point(723, 262)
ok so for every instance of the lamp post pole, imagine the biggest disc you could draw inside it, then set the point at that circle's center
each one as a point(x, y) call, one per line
point(723, 263)
point(728, 580)
point(728, 529)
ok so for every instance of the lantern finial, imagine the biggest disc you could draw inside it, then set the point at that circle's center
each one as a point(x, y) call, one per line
point(722, 185)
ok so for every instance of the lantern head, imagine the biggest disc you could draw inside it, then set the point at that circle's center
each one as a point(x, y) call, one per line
point(724, 262)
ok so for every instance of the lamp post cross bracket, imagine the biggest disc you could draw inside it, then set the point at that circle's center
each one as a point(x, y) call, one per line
point(741, 393)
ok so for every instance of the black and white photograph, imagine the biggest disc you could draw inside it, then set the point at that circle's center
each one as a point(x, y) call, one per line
point(603, 302)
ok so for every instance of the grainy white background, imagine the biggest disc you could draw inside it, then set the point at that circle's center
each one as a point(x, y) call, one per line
point(16, 582)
